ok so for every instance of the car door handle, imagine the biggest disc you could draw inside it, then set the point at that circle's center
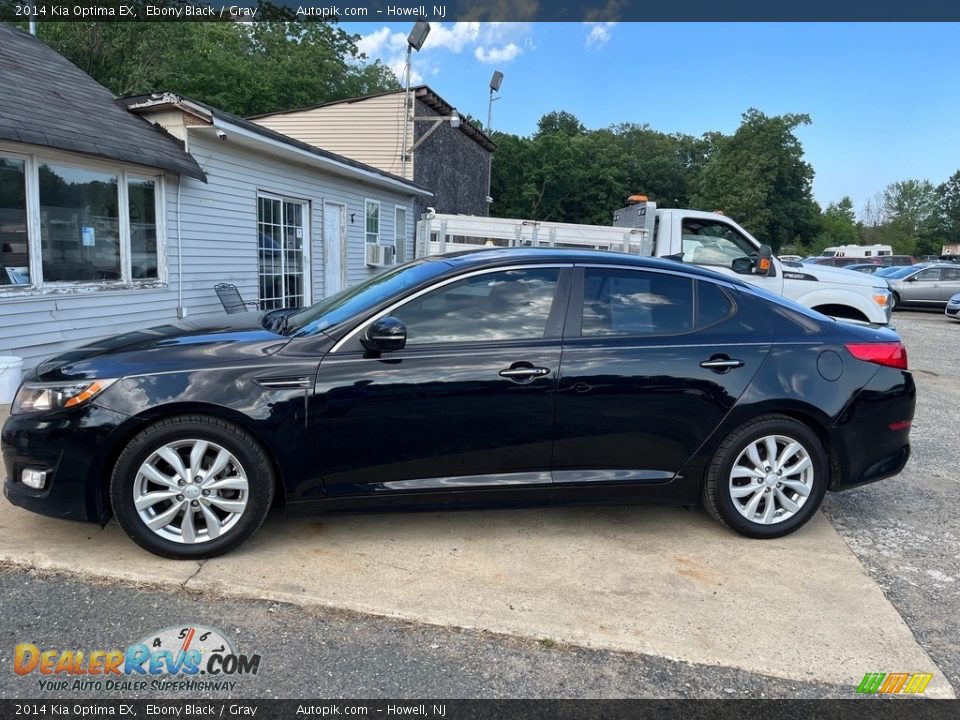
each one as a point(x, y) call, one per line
point(524, 373)
point(721, 363)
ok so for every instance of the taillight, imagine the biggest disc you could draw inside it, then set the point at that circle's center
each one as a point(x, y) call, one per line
point(891, 354)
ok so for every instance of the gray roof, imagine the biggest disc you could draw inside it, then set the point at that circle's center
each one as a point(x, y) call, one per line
point(47, 100)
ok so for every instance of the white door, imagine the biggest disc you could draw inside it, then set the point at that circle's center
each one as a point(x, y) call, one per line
point(333, 247)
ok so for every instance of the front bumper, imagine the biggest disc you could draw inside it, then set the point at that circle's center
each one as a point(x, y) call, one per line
point(952, 310)
point(72, 447)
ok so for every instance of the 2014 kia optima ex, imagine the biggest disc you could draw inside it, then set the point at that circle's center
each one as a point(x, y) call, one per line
point(485, 378)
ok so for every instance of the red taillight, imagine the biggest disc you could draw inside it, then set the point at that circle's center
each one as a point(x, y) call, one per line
point(891, 354)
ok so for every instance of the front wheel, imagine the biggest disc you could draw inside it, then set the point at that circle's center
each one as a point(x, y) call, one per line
point(191, 487)
point(767, 478)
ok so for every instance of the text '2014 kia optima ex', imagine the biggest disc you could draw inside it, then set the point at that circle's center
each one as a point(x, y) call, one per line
point(485, 378)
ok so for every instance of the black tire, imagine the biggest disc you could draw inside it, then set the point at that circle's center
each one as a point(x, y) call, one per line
point(896, 302)
point(244, 448)
point(716, 492)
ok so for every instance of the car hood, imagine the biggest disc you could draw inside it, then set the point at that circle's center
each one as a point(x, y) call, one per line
point(840, 276)
point(181, 345)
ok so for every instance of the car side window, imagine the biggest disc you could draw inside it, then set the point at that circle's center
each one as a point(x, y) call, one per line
point(929, 275)
point(506, 305)
point(713, 305)
point(952, 274)
point(708, 242)
point(635, 302)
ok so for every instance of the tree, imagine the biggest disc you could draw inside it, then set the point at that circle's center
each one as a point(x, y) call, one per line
point(912, 212)
point(243, 68)
point(838, 226)
point(948, 200)
point(758, 176)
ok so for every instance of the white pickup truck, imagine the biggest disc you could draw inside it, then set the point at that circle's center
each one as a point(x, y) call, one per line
point(701, 238)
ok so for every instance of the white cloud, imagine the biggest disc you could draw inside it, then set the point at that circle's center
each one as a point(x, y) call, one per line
point(599, 33)
point(380, 41)
point(497, 55)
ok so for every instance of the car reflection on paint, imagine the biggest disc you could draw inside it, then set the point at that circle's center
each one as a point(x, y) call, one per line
point(497, 377)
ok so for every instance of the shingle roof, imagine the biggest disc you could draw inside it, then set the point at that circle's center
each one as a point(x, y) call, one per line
point(47, 100)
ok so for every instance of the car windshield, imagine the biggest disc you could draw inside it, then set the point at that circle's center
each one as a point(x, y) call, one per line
point(352, 301)
point(897, 272)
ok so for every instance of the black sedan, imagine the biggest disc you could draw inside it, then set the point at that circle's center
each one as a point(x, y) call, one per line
point(486, 378)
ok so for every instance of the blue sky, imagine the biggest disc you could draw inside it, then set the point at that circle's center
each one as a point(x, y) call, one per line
point(884, 98)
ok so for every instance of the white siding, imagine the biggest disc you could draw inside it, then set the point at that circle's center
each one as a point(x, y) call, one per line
point(368, 130)
point(217, 228)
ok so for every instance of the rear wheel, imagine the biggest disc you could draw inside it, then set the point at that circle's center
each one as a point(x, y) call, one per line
point(767, 478)
point(896, 302)
point(191, 487)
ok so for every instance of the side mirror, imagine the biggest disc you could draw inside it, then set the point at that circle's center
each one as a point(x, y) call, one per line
point(385, 335)
point(765, 261)
point(742, 265)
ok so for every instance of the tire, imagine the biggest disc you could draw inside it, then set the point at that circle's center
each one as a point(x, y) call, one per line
point(734, 470)
point(896, 301)
point(228, 497)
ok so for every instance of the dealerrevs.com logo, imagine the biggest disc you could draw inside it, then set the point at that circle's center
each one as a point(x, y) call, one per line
point(190, 658)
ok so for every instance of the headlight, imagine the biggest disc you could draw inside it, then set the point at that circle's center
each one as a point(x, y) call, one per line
point(37, 397)
point(881, 296)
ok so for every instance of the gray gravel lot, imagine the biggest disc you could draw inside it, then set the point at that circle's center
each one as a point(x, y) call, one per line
point(906, 530)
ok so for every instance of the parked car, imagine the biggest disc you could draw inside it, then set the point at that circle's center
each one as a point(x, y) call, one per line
point(924, 284)
point(869, 268)
point(841, 261)
point(898, 260)
point(439, 383)
point(952, 310)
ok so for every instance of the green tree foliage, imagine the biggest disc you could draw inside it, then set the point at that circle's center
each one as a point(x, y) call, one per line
point(948, 196)
point(838, 226)
point(567, 173)
point(243, 68)
point(911, 219)
point(758, 176)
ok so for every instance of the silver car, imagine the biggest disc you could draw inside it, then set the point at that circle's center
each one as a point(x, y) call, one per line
point(953, 307)
point(924, 285)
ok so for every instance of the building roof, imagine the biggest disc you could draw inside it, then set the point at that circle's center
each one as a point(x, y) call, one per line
point(424, 94)
point(48, 101)
point(210, 116)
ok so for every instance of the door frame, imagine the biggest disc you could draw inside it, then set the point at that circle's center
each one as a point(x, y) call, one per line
point(307, 216)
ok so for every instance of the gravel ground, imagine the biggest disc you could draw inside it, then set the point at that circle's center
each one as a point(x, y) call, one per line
point(906, 530)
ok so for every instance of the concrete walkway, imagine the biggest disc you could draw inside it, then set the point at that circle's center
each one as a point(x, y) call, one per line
point(666, 582)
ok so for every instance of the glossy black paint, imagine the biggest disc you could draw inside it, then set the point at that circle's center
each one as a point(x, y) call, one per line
point(615, 419)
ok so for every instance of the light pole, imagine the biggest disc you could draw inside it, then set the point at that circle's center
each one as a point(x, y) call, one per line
point(495, 81)
point(415, 41)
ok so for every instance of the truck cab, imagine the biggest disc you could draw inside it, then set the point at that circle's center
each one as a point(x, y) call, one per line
point(713, 240)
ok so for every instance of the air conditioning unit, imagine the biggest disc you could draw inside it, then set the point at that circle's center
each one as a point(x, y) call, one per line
point(381, 255)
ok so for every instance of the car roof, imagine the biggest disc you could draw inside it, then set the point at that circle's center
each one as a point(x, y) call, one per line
point(530, 255)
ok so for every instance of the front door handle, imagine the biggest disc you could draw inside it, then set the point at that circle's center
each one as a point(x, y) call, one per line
point(721, 364)
point(524, 373)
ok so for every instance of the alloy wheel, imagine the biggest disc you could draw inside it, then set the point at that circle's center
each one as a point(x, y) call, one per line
point(190, 491)
point(771, 479)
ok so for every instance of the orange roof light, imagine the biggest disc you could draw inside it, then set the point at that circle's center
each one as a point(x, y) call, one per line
point(634, 199)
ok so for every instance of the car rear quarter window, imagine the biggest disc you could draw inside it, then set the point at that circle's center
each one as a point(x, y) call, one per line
point(713, 304)
point(505, 305)
point(635, 302)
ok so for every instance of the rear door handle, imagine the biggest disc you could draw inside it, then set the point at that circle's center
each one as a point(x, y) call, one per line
point(721, 364)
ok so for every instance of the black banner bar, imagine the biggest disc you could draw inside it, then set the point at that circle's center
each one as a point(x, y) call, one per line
point(384, 11)
point(873, 709)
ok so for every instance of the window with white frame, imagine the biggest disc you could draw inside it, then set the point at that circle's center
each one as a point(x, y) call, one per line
point(75, 222)
point(372, 214)
point(400, 231)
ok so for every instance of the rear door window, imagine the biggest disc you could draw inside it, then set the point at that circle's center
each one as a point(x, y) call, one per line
point(635, 302)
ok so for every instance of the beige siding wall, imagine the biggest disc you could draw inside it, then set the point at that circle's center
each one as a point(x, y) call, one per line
point(370, 130)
